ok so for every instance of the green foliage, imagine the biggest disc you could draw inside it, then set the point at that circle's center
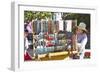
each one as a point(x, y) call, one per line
point(80, 18)
point(29, 15)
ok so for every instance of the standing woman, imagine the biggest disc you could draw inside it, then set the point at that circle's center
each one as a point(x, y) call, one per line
point(80, 39)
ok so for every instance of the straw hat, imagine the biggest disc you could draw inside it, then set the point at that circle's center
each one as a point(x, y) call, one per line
point(82, 26)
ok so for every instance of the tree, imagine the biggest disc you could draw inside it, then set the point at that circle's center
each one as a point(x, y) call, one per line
point(29, 15)
point(80, 18)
